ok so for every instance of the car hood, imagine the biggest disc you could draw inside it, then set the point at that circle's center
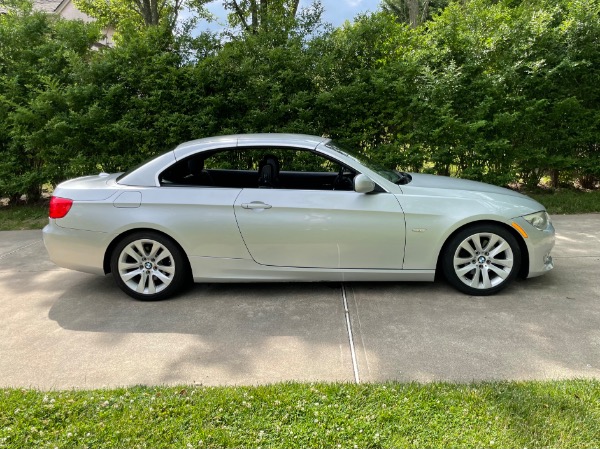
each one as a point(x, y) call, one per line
point(446, 183)
point(492, 198)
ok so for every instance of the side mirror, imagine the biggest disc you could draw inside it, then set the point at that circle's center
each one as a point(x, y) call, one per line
point(363, 184)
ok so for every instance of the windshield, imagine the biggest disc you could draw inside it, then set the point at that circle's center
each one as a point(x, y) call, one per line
point(390, 175)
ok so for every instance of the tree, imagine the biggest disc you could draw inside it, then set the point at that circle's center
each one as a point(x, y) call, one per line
point(139, 13)
point(259, 16)
point(413, 12)
point(38, 56)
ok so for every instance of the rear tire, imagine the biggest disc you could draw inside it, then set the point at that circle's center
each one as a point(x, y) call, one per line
point(149, 266)
point(482, 259)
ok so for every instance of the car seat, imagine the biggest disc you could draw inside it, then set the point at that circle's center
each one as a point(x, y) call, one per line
point(268, 172)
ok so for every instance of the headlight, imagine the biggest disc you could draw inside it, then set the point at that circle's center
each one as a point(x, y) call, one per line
point(539, 220)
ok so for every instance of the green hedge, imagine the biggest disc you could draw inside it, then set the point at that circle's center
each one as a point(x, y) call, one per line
point(499, 91)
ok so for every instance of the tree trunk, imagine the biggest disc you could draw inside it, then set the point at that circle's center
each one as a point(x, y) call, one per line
point(264, 15)
point(588, 181)
point(554, 178)
point(413, 13)
point(254, 16)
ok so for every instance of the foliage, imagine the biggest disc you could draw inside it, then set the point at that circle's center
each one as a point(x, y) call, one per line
point(135, 14)
point(38, 55)
point(413, 12)
point(500, 91)
point(501, 414)
point(269, 16)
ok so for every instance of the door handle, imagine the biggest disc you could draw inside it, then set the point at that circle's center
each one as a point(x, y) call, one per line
point(256, 205)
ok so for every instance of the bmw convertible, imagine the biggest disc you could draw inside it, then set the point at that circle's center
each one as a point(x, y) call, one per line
point(286, 207)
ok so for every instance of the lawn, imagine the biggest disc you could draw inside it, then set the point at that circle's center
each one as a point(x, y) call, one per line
point(502, 414)
point(19, 217)
point(569, 201)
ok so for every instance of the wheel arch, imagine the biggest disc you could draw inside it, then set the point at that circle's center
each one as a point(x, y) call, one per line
point(120, 237)
point(523, 271)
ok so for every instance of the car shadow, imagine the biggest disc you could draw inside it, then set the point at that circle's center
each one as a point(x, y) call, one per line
point(96, 305)
point(214, 333)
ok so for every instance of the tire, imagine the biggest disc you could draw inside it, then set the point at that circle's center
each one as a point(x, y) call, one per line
point(149, 266)
point(482, 259)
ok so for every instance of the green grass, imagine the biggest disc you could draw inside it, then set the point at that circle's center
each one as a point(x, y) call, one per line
point(503, 414)
point(569, 201)
point(29, 216)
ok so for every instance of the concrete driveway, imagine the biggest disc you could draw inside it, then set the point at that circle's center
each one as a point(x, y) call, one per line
point(63, 329)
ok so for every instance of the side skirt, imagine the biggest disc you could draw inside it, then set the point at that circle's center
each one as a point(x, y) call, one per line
point(212, 269)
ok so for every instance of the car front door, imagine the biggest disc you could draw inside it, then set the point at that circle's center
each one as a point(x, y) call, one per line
point(321, 228)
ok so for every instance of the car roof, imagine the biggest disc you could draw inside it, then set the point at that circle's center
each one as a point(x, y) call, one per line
point(249, 140)
point(146, 175)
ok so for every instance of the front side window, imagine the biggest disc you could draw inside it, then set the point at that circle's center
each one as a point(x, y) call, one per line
point(390, 175)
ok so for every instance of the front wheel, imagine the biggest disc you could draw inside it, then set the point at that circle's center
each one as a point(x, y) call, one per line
point(481, 260)
point(149, 266)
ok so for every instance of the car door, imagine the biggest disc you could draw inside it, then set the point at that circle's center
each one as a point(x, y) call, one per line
point(321, 228)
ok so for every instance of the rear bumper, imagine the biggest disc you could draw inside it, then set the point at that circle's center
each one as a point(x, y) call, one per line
point(76, 249)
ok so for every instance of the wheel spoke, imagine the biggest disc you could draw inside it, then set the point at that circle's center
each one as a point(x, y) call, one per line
point(467, 247)
point(475, 281)
point(485, 274)
point(151, 286)
point(166, 269)
point(133, 254)
point(459, 261)
point(142, 284)
point(124, 266)
point(503, 274)
point(131, 274)
point(464, 270)
point(163, 277)
point(508, 263)
point(500, 249)
point(155, 248)
point(493, 239)
point(138, 245)
point(163, 255)
point(476, 239)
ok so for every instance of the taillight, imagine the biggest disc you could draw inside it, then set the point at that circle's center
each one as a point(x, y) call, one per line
point(59, 207)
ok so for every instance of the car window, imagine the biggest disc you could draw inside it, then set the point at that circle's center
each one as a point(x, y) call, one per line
point(390, 175)
point(283, 168)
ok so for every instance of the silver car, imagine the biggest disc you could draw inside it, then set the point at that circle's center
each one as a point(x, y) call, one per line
point(283, 207)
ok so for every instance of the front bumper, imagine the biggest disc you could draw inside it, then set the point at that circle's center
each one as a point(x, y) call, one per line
point(539, 245)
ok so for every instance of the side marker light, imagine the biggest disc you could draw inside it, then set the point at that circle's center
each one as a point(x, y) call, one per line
point(520, 230)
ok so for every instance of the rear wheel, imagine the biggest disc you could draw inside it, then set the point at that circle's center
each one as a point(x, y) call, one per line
point(149, 266)
point(482, 259)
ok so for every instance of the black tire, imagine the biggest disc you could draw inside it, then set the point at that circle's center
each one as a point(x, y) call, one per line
point(482, 259)
point(149, 266)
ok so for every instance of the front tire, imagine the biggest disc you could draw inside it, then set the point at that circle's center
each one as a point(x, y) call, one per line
point(482, 259)
point(149, 266)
